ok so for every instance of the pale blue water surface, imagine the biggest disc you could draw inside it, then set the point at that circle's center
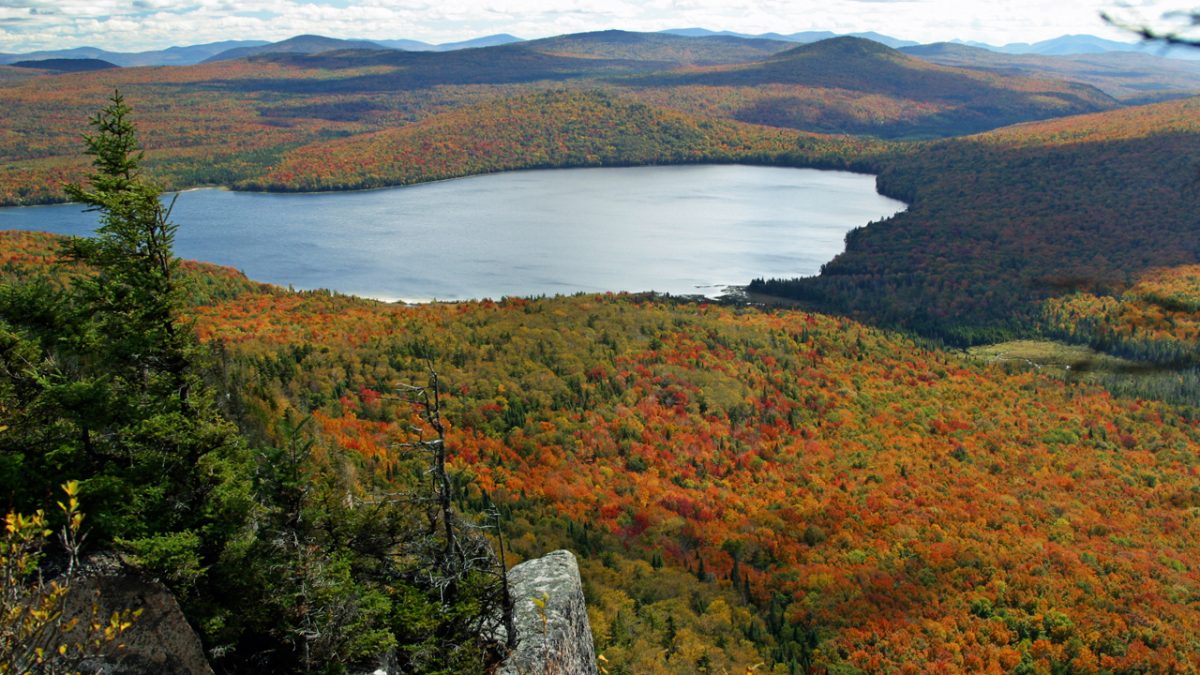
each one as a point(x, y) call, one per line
point(673, 229)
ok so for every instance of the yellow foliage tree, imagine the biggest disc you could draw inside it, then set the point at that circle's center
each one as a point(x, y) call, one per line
point(35, 634)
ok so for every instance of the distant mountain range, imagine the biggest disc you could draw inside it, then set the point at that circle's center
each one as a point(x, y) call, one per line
point(301, 44)
point(804, 37)
point(233, 49)
point(172, 56)
point(417, 46)
point(1132, 77)
point(1059, 46)
point(311, 44)
point(1080, 44)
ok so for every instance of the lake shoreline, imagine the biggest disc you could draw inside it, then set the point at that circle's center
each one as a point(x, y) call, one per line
point(682, 229)
point(859, 171)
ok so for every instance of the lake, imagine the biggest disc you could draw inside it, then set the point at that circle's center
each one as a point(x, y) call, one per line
point(674, 229)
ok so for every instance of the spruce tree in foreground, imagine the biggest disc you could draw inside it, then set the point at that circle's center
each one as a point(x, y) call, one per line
point(98, 382)
point(148, 434)
point(135, 295)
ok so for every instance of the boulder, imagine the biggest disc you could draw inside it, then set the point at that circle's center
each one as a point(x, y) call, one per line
point(550, 618)
point(160, 639)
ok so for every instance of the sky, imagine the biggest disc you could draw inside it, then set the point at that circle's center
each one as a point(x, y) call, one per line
point(139, 25)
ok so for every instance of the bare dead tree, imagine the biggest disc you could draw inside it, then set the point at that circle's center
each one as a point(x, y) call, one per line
point(428, 401)
point(463, 550)
point(506, 601)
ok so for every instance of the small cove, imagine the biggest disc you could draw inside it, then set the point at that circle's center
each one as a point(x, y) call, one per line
point(674, 229)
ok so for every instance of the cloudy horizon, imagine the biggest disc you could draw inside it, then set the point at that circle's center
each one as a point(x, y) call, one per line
point(140, 25)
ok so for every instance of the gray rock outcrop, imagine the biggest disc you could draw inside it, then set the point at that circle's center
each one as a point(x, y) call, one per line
point(553, 633)
point(160, 639)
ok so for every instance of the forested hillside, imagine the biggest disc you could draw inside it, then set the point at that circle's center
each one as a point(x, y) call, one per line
point(1157, 319)
point(998, 222)
point(282, 553)
point(910, 508)
point(232, 122)
point(871, 503)
point(559, 128)
point(819, 86)
point(1128, 77)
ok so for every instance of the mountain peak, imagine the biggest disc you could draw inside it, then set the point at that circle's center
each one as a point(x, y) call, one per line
point(300, 44)
point(842, 46)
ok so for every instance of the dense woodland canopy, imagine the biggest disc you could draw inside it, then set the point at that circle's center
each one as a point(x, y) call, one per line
point(852, 498)
point(1157, 319)
point(559, 128)
point(1000, 220)
point(746, 487)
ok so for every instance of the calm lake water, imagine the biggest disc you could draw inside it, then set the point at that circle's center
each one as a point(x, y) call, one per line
point(675, 229)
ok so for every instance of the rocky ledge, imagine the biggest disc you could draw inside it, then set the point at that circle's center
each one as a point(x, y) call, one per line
point(550, 618)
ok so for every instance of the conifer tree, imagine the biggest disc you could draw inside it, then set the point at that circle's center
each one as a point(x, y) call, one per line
point(149, 437)
point(135, 296)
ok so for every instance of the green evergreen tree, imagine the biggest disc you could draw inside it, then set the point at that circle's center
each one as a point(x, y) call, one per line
point(148, 435)
point(135, 296)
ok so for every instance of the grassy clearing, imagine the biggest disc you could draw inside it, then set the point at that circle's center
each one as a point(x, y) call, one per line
point(1053, 357)
point(1121, 377)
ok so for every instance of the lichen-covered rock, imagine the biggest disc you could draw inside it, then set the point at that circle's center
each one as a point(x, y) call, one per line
point(160, 640)
point(553, 634)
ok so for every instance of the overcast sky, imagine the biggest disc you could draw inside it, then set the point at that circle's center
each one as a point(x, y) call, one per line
point(136, 25)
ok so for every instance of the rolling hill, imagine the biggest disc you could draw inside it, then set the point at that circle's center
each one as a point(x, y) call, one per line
point(860, 79)
point(597, 55)
point(855, 85)
point(843, 85)
point(553, 129)
point(301, 44)
point(1129, 76)
point(1000, 221)
point(66, 65)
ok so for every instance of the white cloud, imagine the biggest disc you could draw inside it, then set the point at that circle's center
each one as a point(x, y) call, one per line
point(131, 25)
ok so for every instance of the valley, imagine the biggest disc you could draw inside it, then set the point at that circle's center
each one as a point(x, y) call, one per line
point(964, 439)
